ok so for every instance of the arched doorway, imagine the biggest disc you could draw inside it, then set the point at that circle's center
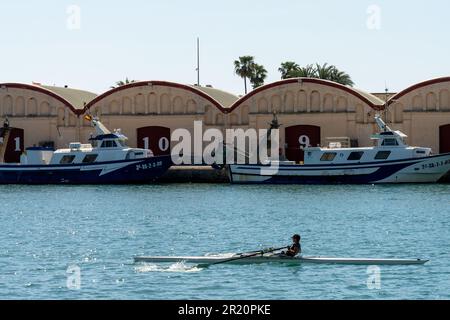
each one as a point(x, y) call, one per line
point(154, 138)
point(444, 139)
point(11, 144)
point(298, 137)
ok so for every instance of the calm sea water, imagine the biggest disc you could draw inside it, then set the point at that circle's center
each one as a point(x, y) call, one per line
point(46, 229)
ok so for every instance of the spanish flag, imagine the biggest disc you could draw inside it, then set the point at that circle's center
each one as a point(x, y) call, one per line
point(88, 117)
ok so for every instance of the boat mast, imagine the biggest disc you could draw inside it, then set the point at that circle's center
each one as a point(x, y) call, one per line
point(386, 90)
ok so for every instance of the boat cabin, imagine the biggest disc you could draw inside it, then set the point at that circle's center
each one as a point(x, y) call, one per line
point(390, 145)
point(104, 147)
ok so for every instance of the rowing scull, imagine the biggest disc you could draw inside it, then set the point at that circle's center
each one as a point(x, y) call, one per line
point(277, 259)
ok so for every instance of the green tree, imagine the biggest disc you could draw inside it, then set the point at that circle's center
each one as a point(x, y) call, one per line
point(341, 77)
point(244, 68)
point(122, 83)
point(325, 71)
point(289, 69)
point(306, 72)
point(259, 74)
point(332, 73)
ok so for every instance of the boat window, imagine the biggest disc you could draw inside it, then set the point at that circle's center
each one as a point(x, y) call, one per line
point(389, 142)
point(108, 144)
point(67, 159)
point(328, 156)
point(121, 143)
point(90, 158)
point(382, 155)
point(355, 156)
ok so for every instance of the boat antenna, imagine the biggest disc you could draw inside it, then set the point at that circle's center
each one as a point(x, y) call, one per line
point(386, 105)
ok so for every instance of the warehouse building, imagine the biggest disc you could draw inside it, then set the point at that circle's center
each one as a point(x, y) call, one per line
point(311, 111)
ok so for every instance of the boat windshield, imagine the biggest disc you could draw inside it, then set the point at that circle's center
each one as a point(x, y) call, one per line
point(108, 144)
point(389, 142)
point(121, 143)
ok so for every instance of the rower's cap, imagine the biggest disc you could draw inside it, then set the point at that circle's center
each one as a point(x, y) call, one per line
point(296, 237)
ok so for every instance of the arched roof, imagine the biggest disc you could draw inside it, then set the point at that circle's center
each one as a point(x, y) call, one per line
point(44, 90)
point(78, 98)
point(417, 86)
point(368, 98)
point(192, 89)
point(226, 99)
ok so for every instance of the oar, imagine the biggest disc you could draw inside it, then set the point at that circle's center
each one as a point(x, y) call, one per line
point(250, 252)
point(262, 252)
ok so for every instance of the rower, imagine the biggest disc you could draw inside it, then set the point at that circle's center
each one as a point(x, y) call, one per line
point(295, 248)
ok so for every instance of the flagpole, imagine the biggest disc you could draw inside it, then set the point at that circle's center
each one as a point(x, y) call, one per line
point(198, 61)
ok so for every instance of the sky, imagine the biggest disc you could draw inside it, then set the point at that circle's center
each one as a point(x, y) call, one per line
point(92, 44)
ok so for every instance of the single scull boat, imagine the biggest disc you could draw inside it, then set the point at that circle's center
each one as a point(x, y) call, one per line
point(241, 259)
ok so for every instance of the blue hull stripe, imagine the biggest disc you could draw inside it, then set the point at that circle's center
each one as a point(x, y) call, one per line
point(382, 173)
point(341, 166)
point(138, 171)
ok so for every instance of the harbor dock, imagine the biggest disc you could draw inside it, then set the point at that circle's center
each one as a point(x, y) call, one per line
point(194, 174)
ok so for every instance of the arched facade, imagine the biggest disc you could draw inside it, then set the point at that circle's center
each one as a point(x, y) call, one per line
point(44, 115)
point(157, 103)
point(338, 110)
point(421, 110)
point(50, 114)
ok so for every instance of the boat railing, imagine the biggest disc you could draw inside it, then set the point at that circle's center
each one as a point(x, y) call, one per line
point(74, 146)
point(338, 142)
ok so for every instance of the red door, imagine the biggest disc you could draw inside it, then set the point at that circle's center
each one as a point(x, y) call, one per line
point(298, 137)
point(14, 146)
point(444, 139)
point(156, 139)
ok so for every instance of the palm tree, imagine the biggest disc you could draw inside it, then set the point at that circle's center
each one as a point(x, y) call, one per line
point(122, 83)
point(332, 73)
point(306, 72)
point(244, 68)
point(341, 77)
point(324, 71)
point(259, 74)
point(289, 69)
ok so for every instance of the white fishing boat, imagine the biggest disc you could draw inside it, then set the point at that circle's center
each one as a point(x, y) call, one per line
point(106, 160)
point(390, 161)
point(275, 258)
